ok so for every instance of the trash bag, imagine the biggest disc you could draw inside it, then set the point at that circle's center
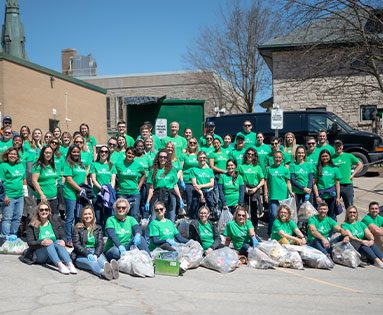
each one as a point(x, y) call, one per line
point(306, 211)
point(312, 257)
point(223, 260)
point(284, 257)
point(189, 254)
point(259, 260)
point(345, 254)
point(136, 263)
point(14, 247)
point(183, 227)
point(225, 217)
point(290, 202)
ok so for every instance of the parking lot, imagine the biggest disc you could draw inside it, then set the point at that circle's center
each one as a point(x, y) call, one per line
point(37, 289)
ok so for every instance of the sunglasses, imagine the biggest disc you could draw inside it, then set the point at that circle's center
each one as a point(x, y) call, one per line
point(7, 133)
point(241, 215)
point(54, 142)
point(310, 143)
point(44, 210)
point(121, 207)
point(249, 154)
point(104, 151)
point(352, 212)
point(112, 144)
point(276, 143)
point(247, 125)
point(192, 142)
point(79, 142)
point(158, 209)
point(162, 157)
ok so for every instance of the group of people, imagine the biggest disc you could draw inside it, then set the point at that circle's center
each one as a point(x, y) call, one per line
point(161, 179)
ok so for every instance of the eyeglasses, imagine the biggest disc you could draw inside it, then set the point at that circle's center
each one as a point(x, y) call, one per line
point(112, 144)
point(104, 151)
point(44, 210)
point(121, 207)
point(158, 209)
point(192, 142)
point(162, 157)
point(249, 154)
point(209, 139)
point(202, 157)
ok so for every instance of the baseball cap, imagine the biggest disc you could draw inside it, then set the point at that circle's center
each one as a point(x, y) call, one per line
point(9, 118)
point(240, 137)
point(338, 143)
point(210, 124)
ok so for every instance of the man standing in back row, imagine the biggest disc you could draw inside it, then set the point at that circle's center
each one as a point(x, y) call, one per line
point(179, 142)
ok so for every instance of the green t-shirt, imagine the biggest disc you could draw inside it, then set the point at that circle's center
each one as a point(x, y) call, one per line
point(47, 232)
point(86, 158)
point(117, 157)
point(250, 138)
point(162, 229)
point(312, 158)
point(230, 189)
point(47, 181)
point(128, 177)
point(285, 158)
point(237, 155)
point(143, 160)
point(206, 234)
point(123, 230)
point(64, 151)
point(324, 227)
point(163, 181)
point(190, 161)
point(12, 176)
point(177, 165)
point(356, 229)
point(252, 174)
point(328, 147)
point(329, 176)
point(286, 227)
point(344, 162)
point(239, 234)
point(202, 175)
point(202, 140)
point(227, 149)
point(103, 174)
point(4, 146)
point(90, 241)
point(91, 142)
point(207, 150)
point(301, 172)
point(263, 153)
point(78, 175)
point(276, 181)
point(180, 144)
point(220, 159)
point(378, 221)
point(150, 157)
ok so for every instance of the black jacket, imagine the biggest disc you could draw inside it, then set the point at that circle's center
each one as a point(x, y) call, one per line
point(194, 234)
point(33, 233)
point(80, 237)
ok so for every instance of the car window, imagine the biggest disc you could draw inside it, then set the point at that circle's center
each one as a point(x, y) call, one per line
point(319, 122)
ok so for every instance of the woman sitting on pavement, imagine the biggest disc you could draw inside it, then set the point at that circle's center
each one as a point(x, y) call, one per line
point(162, 232)
point(241, 232)
point(361, 237)
point(45, 238)
point(320, 228)
point(88, 246)
point(205, 232)
point(123, 231)
point(284, 228)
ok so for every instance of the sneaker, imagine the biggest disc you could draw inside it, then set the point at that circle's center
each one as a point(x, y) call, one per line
point(63, 269)
point(107, 272)
point(115, 268)
point(69, 244)
point(379, 265)
point(72, 268)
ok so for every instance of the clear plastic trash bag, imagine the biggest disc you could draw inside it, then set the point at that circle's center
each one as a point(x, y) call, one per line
point(345, 254)
point(225, 217)
point(136, 263)
point(306, 211)
point(312, 257)
point(183, 227)
point(14, 247)
point(259, 260)
point(223, 260)
point(189, 255)
point(284, 257)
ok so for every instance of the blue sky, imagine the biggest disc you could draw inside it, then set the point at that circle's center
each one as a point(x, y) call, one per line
point(124, 36)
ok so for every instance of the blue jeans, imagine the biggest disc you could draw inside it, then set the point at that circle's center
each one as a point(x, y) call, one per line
point(273, 209)
point(102, 214)
point(72, 211)
point(134, 201)
point(318, 244)
point(114, 253)
point(53, 254)
point(347, 194)
point(189, 196)
point(96, 266)
point(196, 204)
point(12, 216)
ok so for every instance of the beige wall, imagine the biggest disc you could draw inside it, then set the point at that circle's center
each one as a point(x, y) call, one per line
point(28, 96)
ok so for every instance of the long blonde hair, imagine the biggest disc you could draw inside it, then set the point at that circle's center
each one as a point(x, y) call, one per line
point(294, 146)
point(36, 221)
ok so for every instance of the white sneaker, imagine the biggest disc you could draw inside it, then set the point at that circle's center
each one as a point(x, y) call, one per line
point(63, 269)
point(72, 268)
point(107, 272)
point(115, 268)
point(379, 265)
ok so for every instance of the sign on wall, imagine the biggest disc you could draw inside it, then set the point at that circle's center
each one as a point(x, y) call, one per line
point(161, 127)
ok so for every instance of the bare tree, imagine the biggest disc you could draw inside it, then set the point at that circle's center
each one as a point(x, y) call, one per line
point(227, 58)
point(352, 29)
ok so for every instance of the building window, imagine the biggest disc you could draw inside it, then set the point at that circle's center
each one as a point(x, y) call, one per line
point(368, 112)
point(120, 109)
point(108, 124)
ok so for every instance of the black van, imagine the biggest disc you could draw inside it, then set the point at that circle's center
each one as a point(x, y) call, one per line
point(368, 147)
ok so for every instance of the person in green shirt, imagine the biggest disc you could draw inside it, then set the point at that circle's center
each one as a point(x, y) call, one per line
point(103, 172)
point(162, 182)
point(44, 179)
point(66, 139)
point(56, 133)
point(162, 232)
point(122, 231)
point(207, 147)
point(241, 232)
point(210, 128)
point(47, 137)
point(284, 228)
point(17, 143)
point(290, 145)
point(345, 161)
point(277, 186)
point(202, 179)
point(89, 139)
point(239, 150)
point(374, 222)
point(59, 159)
point(312, 153)
point(150, 151)
point(6, 141)
point(250, 136)
point(227, 145)
point(323, 143)
point(205, 232)
point(320, 229)
point(277, 147)
point(130, 176)
point(115, 156)
point(231, 187)
point(88, 247)
point(179, 142)
point(326, 183)
point(361, 237)
point(122, 145)
point(86, 155)
point(254, 180)
point(25, 133)
point(263, 151)
point(121, 131)
point(12, 174)
point(188, 134)
point(74, 172)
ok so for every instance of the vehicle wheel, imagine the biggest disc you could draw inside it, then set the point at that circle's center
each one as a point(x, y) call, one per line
point(364, 160)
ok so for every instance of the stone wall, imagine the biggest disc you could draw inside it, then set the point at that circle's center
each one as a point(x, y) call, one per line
point(335, 90)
